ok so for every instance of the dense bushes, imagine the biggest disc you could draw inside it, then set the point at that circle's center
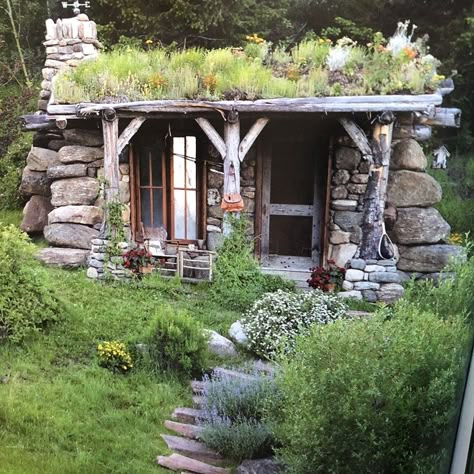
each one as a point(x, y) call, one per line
point(26, 301)
point(234, 410)
point(177, 342)
point(274, 320)
point(238, 280)
point(372, 396)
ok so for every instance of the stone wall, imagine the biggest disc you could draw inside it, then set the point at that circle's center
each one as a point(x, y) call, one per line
point(215, 187)
point(417, 230)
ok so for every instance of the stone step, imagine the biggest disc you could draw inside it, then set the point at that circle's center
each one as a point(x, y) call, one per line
point(359, 314)
point(198, 401)
point(198, 386)
point(228, 373)
point(193, 449)
point(184, 429)
point(178, 462)
point(187, 415)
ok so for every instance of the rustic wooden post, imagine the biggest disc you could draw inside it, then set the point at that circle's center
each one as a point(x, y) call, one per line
point(232, 150)
point(372, 225)
point(111, 164)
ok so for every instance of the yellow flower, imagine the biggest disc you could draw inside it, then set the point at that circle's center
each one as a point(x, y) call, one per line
point(149, 41)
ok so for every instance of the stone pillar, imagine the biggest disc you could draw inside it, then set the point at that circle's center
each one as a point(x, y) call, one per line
point(68, 42)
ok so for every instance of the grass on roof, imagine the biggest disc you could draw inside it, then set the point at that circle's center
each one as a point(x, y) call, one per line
point(314, 68)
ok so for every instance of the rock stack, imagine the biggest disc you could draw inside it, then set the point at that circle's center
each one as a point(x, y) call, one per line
point(417, 230)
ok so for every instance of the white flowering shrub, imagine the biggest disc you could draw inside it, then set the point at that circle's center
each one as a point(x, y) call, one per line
point(276, 319)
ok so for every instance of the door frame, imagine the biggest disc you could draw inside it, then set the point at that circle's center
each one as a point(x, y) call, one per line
point(265, 209)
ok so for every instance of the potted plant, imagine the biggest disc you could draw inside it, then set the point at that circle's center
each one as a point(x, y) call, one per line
point(139, 260)
point(327, 279)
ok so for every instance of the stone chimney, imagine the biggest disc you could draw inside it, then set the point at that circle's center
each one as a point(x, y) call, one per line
point(68, 42)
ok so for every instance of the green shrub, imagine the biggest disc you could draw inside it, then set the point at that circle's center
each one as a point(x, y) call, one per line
point(372, 396)
point(26, 301)
point(238, 280)
point(453, 295)
point(177, 342)
point(274, 320)
point(233, 414)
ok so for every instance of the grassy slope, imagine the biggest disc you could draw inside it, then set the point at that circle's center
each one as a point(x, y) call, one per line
point(61, 413)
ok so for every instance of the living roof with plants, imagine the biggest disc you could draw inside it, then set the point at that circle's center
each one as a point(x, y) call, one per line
point(316, 67)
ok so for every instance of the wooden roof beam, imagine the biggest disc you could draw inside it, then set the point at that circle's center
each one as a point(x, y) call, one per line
point(129, 132)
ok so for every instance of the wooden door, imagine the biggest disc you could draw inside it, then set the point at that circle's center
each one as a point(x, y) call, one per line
point(293, 179)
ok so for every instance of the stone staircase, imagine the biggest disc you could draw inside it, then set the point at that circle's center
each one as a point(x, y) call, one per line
point(290, 268)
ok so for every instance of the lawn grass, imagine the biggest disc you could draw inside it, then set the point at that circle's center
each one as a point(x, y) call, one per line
point(61, 413)
point(8, 217)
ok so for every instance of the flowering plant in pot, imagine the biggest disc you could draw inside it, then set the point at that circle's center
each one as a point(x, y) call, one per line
point(327, 279)
point(139, 260)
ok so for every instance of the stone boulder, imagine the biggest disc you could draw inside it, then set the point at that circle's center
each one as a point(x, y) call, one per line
point(220, 345)
point(341, 254)
point(348, 220)
point(390, 292)
point(88, 215)
point(62, 257)
point(70, 235)
point(76, 170)
point(408, 155)
point(237, 333)
point(35, 182)
point(39, 159)
point(428, 258)
point(84, 137)
point(260, 466)
point(79, 154)
point(35, 214)
point(347, 158)
point(73, 191)
point(415, 225)
point(412, 189)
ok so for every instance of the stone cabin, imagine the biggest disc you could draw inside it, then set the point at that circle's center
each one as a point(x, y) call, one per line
point(320, 178)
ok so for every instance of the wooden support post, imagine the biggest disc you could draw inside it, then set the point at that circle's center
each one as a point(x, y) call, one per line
point(129, 132)
point(111, 162)
point(213, 135)
point(372, 225)
point(251, 136)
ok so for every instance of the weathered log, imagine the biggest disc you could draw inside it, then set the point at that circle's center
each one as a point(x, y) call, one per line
point(111, 160)
point(396, 103)
point(372, 225)
point(213, 135)
point(251, 136)
point(358, 137)
point(441, 116)
point(45, 122)
point(129, 132)
point(418, 132)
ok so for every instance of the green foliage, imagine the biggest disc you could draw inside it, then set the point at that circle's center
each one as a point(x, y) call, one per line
point(452, 296)
point(27, 303)
point(177, 342)
point(238, 280)
point(276, 319)
point(387, 387)
point(233, 413)
point(131, 74)
point(457, 205)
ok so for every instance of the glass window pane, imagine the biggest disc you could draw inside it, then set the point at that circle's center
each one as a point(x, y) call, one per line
point(157, 207)
point(145, 207)
point(190, 174)
point(191, 147)
point(144, 167)
point(156, 168)
point(178, 171)
point(191, 215)
point(179, 215)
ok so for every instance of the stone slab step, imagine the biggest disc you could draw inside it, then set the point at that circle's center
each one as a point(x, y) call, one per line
point(359, 314)
point(178, 462)
point(184, 429)
point(198, 386)
point(187, 415)
point(228, 373)
point(198, 401)
point(193, 449)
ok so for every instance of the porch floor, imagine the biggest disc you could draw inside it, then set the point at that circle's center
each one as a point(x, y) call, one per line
point(291, 268)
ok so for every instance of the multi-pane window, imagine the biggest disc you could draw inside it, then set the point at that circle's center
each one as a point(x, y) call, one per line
point(184, 188)
point(167, 189)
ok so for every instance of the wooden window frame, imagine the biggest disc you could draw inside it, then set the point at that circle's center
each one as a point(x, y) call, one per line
point(167, 186)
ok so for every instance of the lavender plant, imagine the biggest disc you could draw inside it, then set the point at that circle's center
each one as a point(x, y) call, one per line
point(233, 415)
